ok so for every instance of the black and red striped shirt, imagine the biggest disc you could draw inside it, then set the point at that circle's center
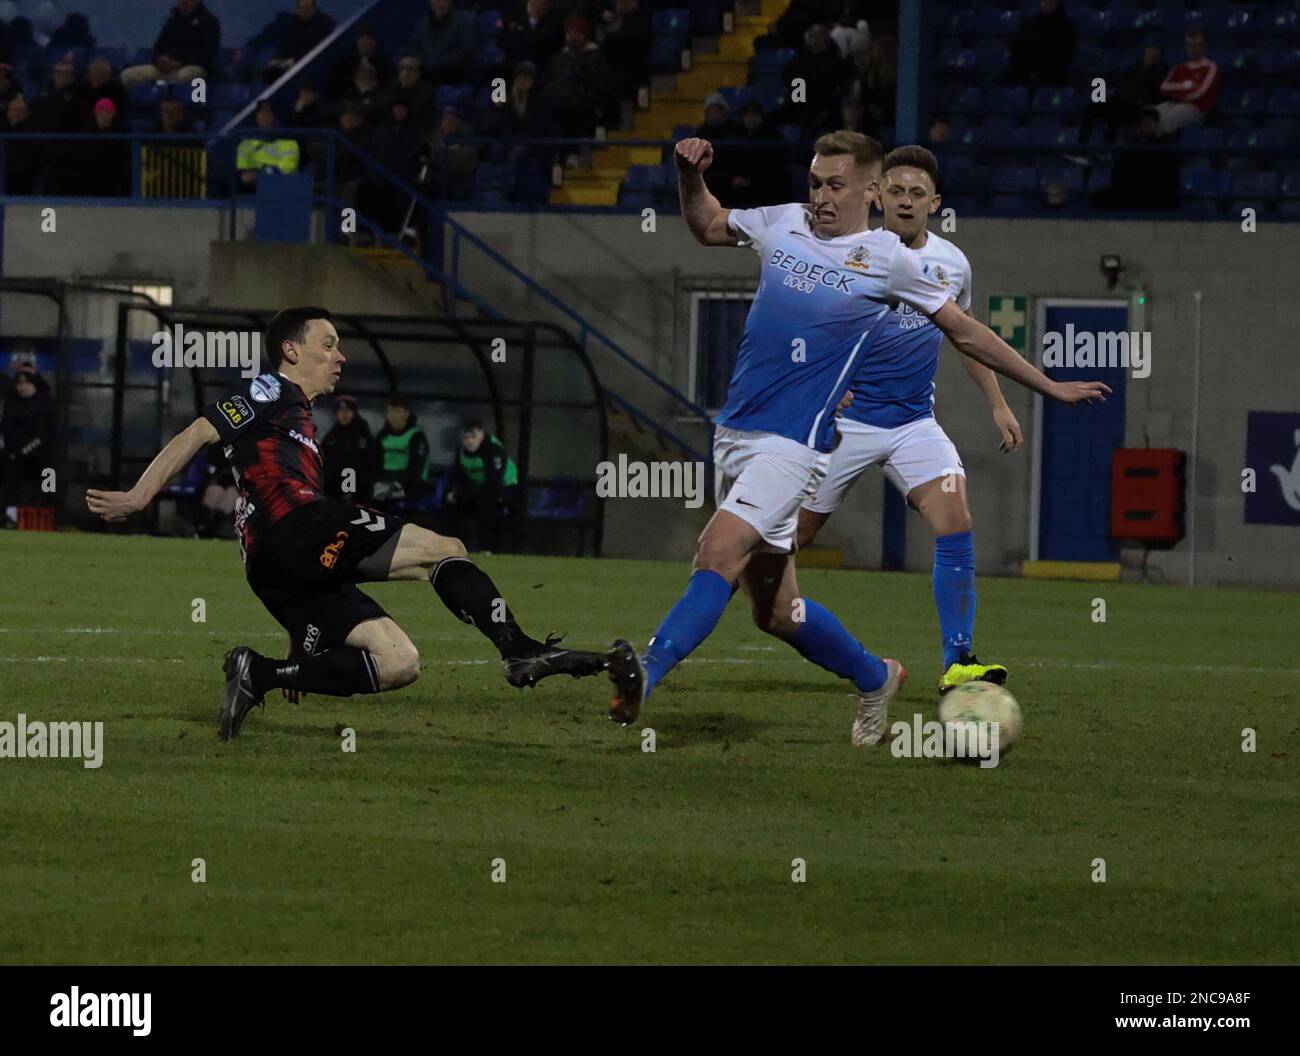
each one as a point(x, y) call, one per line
point(269, 439)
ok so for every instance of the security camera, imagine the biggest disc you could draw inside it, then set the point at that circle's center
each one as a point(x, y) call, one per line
point(1111, 266)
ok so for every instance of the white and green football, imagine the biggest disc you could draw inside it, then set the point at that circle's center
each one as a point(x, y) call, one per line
point(973, 703)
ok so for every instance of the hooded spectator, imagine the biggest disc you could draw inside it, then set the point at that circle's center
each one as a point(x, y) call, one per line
point(26, 441)
point(1042, 51)
point(186, 48)
point(365, 49)
point(534, 36)
point(348, 452)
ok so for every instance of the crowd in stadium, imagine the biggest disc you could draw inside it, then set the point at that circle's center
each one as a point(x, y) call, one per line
point(425, 111)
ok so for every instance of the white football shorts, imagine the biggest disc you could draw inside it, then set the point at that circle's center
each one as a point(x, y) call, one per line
point(764, 479)
point(911, 454)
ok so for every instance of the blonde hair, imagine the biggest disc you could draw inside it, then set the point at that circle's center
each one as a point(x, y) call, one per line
point(867, 152)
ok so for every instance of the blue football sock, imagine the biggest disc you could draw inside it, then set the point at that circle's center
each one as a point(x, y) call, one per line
point(954, 593)
point(822, 639)
point(687, 624)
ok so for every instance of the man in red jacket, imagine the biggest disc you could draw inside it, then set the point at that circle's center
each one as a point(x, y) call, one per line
point(1191, 87)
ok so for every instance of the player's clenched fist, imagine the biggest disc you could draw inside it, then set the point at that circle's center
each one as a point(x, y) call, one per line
point(693, 155)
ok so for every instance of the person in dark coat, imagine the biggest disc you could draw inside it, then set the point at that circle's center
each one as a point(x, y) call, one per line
point(26, 442)
point(719, 126)
point(365, 49)
point(1042, 51)
point(762, 173)
point(535, 35)
point(186, 48)
point(446, 43)
point(24, 159)
point(296, 35)
point(1137, 89)
point(349, 453)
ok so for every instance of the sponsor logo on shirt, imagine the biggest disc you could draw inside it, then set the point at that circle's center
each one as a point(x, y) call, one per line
point(859, 259)
point(810, 275)
point(237, 411)
point(330, 555)
point(265, 388)
point(306, 441)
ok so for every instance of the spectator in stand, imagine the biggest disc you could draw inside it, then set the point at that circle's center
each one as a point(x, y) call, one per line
point(1042, 50)
point(73, 33)
point(576, 84)
point(1142, 179)
point(173, 118)
point(98, 169)
point(349, 168)
point(23, 160)
point(762, 173)
point(519, 116)
point(819, 66)
point(484, 486)
point(1136, 90)
point(791, 28)
point(718, 125)
point(100, 84)
point(418, 93)
point(26, 442)
point(58, 107)
point(366, 94)
point(9, 88)
point(348, 452)
point(626, 35)
point(396, 146)
point(308, 110)
point(853, 117)
point(403, 457)
point(265, 151)
point(535, 35)
point(1191, 87)
point(295, 35)
point(186, 48)
point(452, 162)
point(446, 43)
point(366, 49)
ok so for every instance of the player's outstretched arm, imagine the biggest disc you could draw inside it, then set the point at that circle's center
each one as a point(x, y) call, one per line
point(118, 505)
point(703, 213)
point(976, 340)
point(1003, 416)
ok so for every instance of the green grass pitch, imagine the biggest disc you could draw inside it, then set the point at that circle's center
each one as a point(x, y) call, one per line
point(1132, 753)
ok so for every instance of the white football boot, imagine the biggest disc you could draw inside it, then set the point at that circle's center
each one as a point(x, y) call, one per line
point(872, 720)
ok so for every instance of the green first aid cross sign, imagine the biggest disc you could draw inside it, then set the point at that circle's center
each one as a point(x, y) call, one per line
point(1009, 319)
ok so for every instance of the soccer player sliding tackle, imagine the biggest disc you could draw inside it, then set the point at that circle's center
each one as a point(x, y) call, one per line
point(304, 553)
point(891, 419)
point(826, 287)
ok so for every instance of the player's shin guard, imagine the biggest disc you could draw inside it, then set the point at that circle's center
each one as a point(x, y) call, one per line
point(337, 672)
point(687, 624)
point(472, 597)
point(825, 641)
point(954, 593)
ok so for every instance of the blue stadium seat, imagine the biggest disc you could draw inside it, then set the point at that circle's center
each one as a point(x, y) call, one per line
point(1290, 209)
point(969, 100)
point(1007, 100)
point(117, 56)
point(226, 96)
point(1127, 17)
point(1198, 137)
point(1280, 22)
point(991, 58)
point(737, 98)
point(997, 128)
point(770, 61)
point(1279, 61)
point(681, 132)
point(636, 199)
point(1255, 184)
point(1285, 102)
point(1008, 203)
point(961, 22)
point(644, 178)
point(706, 17)
point(151, 92)
point(143, 57)
point(490, 55)
point(1049, 100)
point(1239, 21)
point(460, 96)
point(995, 22)
point(1202, 182)
point(675, 22)
point(792, 133)
point(1250, 102)
point(1069, 176)
point(1207, 208)
point(1255, 139)
point(666, 54)
point(488, 24)
point(769, 93)
point(1099, 178)
point(1092, 23)
point(957, 59)
point(1047, 130)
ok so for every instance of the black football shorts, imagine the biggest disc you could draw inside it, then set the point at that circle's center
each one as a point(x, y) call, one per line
point(306, 572)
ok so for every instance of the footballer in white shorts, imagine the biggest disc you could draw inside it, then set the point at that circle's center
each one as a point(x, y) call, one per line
point(891, 422)
point(764, 480)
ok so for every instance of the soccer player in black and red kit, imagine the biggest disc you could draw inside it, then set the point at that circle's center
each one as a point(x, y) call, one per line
point(305, 553)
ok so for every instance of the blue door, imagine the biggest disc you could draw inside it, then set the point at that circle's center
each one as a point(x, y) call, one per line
point(1077, 441)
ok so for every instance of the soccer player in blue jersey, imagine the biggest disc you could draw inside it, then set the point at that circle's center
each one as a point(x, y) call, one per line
point(827, 284)
point(891, 419)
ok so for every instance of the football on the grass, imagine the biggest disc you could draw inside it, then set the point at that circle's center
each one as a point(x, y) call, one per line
point(982, 702)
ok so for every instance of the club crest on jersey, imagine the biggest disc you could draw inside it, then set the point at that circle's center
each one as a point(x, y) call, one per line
point(858, 258)
point(938, 274)
point(237, 411)
point(265, 388)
